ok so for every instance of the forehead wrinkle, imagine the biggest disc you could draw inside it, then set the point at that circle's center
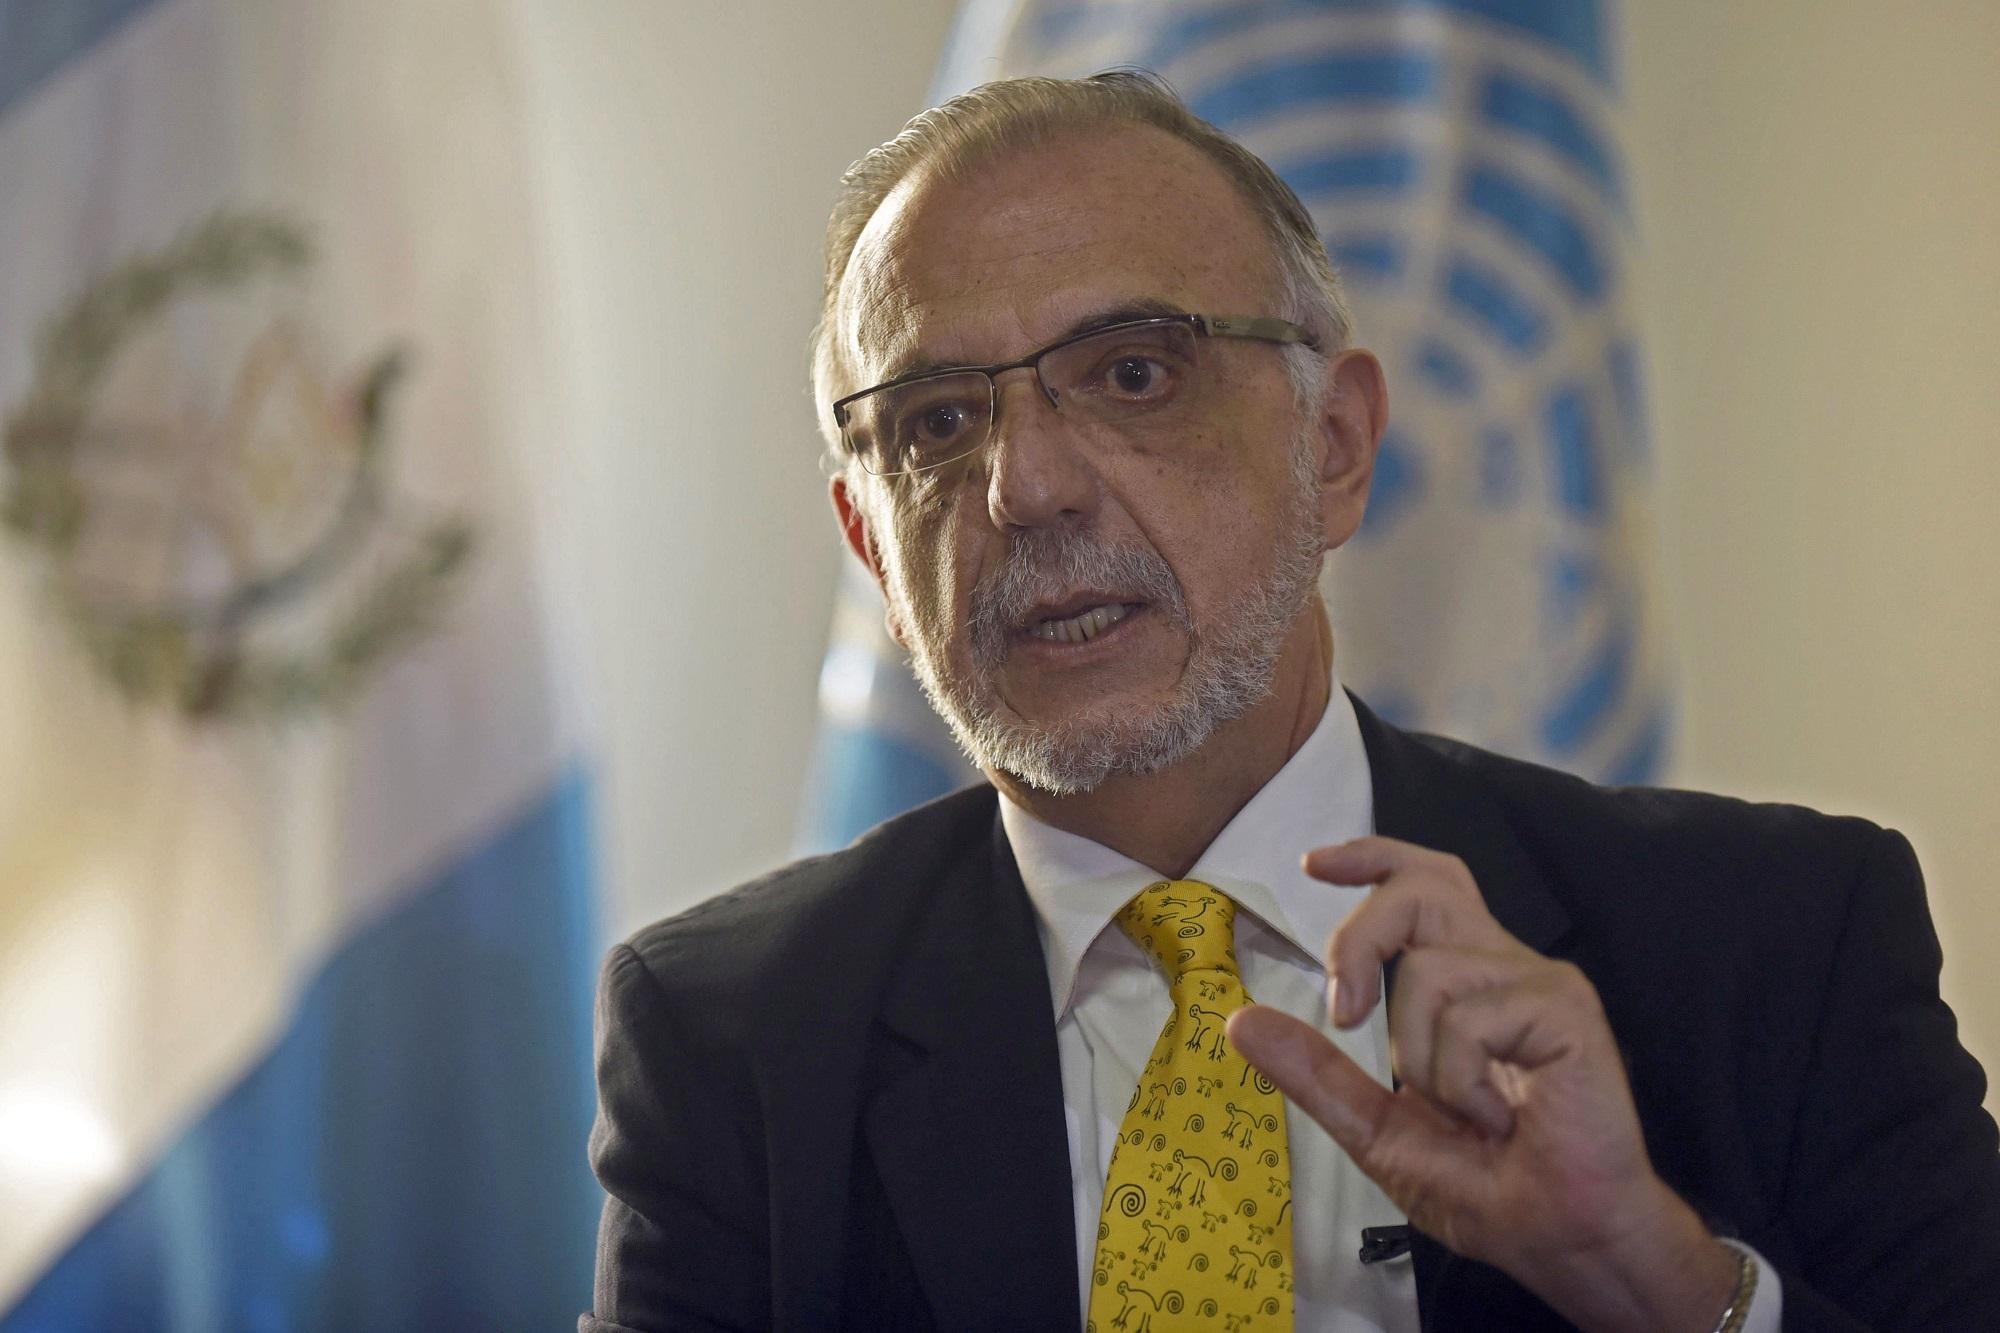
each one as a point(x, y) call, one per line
point(875, 319)
point(898, 312)
point(940, 239)
point(982, 269)
point(867, 299)
point(893, 334)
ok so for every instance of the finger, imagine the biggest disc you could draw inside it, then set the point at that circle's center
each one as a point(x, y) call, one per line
point(1313, 1073)
point(1486, 1046)
point(1464, 1075)
point(1426, 905)
point(1428, 982)
point(1372, 859)
point(1417, 1153)
point(1550, 1014)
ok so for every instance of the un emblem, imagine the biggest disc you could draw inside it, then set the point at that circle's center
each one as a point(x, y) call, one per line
point(1458, 158)
point(212, 510)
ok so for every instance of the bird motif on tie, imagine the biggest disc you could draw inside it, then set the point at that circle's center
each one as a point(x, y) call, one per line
point(1196, 1231)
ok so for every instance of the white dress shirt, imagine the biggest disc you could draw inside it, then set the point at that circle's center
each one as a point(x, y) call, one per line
point(1110, 1003)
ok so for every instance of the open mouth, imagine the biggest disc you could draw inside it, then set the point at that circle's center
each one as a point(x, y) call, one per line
point(1080, 626)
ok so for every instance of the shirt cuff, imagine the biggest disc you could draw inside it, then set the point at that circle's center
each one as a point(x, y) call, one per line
point(1767, 1304)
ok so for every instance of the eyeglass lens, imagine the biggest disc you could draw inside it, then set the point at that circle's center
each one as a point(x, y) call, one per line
point(1105, 379)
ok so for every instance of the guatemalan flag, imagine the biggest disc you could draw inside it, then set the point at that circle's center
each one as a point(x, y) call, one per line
point(1461, 159)
point(295, 888)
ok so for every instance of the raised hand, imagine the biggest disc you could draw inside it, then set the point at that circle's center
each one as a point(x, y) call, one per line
point(1513, 1138)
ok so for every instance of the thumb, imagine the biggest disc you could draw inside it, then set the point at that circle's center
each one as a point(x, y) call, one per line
point(1314, 1073)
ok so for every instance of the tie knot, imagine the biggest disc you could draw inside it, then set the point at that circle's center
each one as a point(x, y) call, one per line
point(1187, 926)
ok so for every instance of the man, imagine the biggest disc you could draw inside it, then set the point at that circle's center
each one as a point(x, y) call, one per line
point(1618, 1059)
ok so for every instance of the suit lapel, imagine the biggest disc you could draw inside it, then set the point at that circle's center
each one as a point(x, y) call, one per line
point(963, 1109)
point(966, 1120)
point(1423, 798)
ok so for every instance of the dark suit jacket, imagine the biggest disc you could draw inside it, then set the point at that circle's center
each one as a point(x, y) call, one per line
point(830, 1099)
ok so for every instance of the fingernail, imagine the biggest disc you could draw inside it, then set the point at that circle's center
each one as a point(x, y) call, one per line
point(1343, 1003)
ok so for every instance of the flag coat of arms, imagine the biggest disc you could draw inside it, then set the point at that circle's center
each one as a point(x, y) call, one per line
point(296, 939)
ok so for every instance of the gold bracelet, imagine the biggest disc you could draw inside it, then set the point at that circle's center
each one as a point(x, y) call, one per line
point(1746, 1288)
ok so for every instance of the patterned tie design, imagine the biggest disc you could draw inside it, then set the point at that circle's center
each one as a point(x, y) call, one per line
point(1196, 1231)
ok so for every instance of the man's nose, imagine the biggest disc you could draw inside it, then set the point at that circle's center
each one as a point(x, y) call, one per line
point(1038, 469)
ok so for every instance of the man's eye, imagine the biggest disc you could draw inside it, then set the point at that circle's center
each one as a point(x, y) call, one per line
point(1134, 376)
point(940, 423)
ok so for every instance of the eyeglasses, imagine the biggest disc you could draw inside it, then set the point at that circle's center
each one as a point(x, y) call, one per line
point(1143, 368)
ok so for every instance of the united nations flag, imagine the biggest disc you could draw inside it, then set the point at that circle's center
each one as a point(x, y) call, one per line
point(1461, 161)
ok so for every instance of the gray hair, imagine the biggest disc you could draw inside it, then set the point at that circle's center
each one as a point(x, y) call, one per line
point(954, 139)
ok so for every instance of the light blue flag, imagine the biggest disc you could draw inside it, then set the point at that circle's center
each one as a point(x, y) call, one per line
point(1461, 160)
point(296, 899)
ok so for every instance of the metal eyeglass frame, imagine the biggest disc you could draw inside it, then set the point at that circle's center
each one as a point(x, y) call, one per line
point(1260, 328)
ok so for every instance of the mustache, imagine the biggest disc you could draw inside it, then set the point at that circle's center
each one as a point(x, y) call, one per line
point(1047, 564)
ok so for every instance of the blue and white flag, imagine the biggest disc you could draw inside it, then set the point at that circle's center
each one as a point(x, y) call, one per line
point(296, 936)
point(1461, 160)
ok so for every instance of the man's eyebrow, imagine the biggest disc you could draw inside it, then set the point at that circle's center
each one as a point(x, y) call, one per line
point(1123, 313)
point(1147, 308)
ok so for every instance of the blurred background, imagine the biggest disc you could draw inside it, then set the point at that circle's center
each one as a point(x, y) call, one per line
point(416, 571)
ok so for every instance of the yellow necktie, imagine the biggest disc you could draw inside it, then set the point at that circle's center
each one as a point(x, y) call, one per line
point(1196, 1231)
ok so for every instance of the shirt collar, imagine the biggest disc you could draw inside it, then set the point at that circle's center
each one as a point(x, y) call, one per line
point(1322, 795)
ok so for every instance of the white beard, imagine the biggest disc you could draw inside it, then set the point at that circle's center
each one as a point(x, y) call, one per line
point(1229, 669)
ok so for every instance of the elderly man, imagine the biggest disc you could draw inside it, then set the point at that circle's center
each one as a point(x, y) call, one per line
point(1523, 1052)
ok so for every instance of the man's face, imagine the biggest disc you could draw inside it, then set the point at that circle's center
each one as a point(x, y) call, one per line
point(1085, 603)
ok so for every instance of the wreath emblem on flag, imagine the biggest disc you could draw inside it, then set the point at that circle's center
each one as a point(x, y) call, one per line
point(212, 512)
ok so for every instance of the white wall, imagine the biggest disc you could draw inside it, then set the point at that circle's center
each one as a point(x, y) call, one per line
point(692, 151)
point(1818, 182)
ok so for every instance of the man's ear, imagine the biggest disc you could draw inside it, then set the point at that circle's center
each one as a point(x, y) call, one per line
point(1352, 419)
point(852, 517)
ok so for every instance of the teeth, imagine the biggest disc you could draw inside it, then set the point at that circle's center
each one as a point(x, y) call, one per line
point(1082, 627)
